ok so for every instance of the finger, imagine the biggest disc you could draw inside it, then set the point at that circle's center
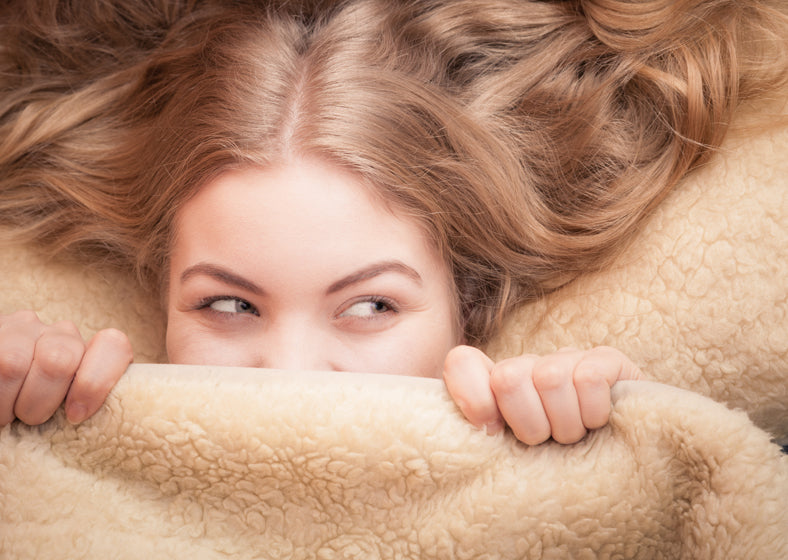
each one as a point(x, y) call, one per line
point(593, 395)
point(66, 327)
point(512, 384)
point(105, 361)
point(467, 376)
point(612, 363)
point(56, 357)
point(595, 373)
point(17, 346)
point(18, 318)
point(553, 379)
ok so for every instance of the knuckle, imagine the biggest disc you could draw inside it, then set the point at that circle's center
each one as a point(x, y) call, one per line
point(587, 373)
point(464, 363)
point(116, 339)
point(507, 376)
point(549, 374)
point(607, 353)
point(59, 356)
point(24, 316)
point(459, 355)
point(14, 364)
point(67, 327)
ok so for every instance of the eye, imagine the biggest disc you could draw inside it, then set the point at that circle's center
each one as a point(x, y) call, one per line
point(368, 309)
point(229, 305)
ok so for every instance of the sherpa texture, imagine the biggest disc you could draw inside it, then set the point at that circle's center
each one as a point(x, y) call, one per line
point(201, 462)
point(700, 299)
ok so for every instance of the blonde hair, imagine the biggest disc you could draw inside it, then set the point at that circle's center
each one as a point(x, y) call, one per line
point(531, 139)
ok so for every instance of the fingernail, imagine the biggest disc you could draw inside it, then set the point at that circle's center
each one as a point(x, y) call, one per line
point(493, 427)
point(76, 413)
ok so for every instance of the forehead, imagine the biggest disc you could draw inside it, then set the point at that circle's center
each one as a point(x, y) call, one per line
point(307, 213)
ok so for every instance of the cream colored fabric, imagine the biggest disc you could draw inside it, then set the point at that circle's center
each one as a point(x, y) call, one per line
point(700, 298)
point(188, 462)
point(202, 462)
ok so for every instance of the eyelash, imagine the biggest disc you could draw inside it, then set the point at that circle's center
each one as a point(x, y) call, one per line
point(205, 305)
point(388, 302)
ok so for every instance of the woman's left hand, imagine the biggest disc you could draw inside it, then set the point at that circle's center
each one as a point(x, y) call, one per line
point(560, 395)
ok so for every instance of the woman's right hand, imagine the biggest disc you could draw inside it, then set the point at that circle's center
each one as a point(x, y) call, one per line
point(41, 366)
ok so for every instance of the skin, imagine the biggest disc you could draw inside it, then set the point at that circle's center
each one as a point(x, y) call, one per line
point(299, 267)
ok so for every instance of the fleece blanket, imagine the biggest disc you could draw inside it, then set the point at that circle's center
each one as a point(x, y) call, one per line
point(202, 462)
point(188, 462)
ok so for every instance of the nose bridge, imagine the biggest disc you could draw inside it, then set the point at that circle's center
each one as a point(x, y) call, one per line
point(294, 343)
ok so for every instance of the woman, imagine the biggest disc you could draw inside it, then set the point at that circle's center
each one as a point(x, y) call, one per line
point(366, 181)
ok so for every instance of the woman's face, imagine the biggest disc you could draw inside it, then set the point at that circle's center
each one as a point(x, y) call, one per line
point(299, 267)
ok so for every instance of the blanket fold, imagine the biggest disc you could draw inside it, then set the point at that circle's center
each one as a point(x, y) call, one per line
point(204, 462)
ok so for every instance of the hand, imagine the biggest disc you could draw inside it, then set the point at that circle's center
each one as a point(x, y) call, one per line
point(560, 395)
point(42, 366)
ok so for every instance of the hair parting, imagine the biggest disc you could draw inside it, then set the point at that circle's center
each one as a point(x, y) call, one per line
point(530, 138)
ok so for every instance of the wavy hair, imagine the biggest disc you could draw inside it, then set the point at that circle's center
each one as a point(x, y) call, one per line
point(529, 138)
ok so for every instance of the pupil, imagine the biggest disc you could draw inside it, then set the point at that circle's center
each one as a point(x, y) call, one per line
point(241, 306)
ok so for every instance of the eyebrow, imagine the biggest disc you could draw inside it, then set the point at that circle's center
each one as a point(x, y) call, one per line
point(223, 275)
point(373, 270)
point(231, 279)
